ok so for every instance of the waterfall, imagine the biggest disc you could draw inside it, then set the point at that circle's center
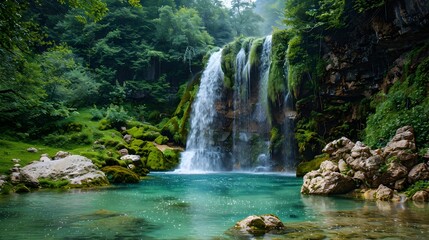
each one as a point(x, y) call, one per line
point(201, 154)
point(289, 144)
point(261, 111)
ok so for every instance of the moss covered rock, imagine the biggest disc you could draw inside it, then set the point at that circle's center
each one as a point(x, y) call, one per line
point(118, 174)
point(306, 167)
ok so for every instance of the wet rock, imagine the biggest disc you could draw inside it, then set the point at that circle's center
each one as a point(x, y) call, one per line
point(421, 196)
point(32, 150)
point(259, 225)
point(418, 172)
point(384, 193)
point(327, 183)
point(77, 169)
point(400, 184)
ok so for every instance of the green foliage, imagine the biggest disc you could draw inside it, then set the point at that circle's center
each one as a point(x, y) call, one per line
point(312, 14)
point(406, 103)
point(277, 79)
point(418, 186)
point(276, 140)
point(48, 183)
point(118, 174)
point(365, 5)
point(229, 54)
point(181, 29)
point(173, 157)
point(306, 167)
point(161, 140)
point(116, 116)
point(244, 20)
point(16, 149)
point(255, 52)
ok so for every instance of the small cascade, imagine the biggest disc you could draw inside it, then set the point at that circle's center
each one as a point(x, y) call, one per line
point(261, 111)
point(240, 102)
point(263, 162)
point(201, 154)
point(289, 146)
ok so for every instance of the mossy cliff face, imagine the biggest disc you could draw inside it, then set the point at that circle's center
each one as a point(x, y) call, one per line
point(337, 94)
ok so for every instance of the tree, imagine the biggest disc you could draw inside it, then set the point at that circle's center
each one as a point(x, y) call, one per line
point(244, 20)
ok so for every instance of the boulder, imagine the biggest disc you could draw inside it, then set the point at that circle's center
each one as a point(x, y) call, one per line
point(342, 166)
point(15, 177)
point(418, 172)
point(133, 158)
point(421, 196)
point(44, 159)
point(259, 225)
point(32, 150)
point(327, 183)
point(77, 169)
point(118, 174)
point(400, 184)
point(384, 193)
point(360, 150)
point(127, 138)
point(16, 160)
point(339, 149)
point(61, 154)
point(123, 151)
point(328, 166)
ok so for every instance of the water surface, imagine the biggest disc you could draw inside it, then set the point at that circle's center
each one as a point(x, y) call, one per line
point(204, 206)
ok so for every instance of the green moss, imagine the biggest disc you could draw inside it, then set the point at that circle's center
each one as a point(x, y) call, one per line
point(277, 78)
point(172, 157)
point(276, 140)
point(406, 103)
point(118, 174)
point(48, 183)
point(144, 132)
point(306, 167)
point(6, 189)
point(418, 186)
point(161, 140)
point(229, 54)
point(255, 52)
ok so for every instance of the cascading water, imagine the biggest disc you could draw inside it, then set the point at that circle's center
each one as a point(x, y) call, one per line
point(201, 154)
point(289, 144)
point(230, 128)
point(261, 111)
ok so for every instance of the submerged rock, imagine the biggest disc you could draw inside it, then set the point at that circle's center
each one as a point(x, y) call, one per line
point(421, 196)
point(77, 169)
point(258, 225)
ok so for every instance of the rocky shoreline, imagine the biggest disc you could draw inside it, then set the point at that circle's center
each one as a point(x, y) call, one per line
point(380, 174)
